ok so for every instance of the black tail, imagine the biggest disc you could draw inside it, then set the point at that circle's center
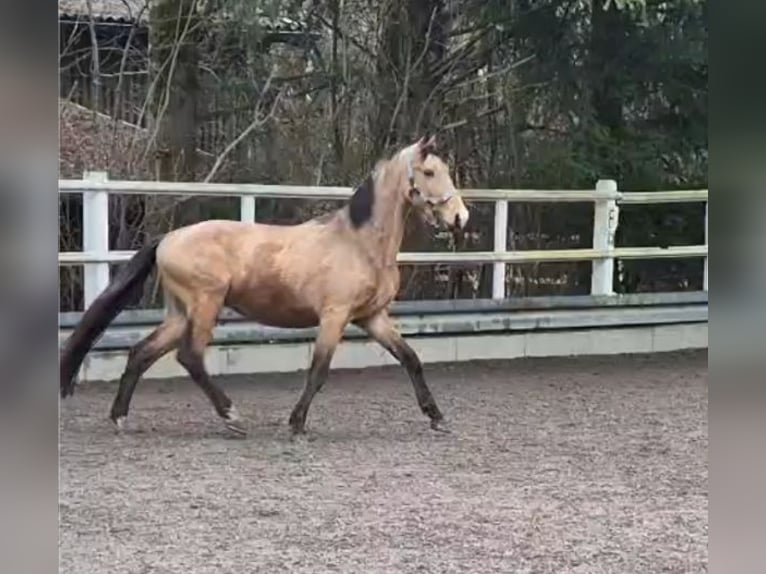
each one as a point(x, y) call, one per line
point(123, 290)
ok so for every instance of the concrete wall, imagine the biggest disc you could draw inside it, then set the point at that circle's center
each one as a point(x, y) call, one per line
point(294, 356)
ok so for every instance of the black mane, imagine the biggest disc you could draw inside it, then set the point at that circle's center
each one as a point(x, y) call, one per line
point(360, 206)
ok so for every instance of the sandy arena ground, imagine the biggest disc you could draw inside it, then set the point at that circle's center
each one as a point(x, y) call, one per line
point(586, 465)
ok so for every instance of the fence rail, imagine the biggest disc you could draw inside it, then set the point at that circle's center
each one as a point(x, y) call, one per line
point(477, 257)
point(96, 257)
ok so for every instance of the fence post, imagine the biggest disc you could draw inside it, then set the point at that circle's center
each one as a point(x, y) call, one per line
point(500, 246)
point(247, 208)
point(605, 219)
point(705, 271)
point(95, 236)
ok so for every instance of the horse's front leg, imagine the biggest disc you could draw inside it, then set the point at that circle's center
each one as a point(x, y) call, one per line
point(381, 329)
point(331, 328)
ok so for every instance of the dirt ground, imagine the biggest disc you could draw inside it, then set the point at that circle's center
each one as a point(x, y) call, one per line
point(585, 465)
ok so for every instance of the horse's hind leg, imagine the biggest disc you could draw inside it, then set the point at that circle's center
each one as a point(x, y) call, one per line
point(142, 356)
point(197, 335)
point(330, 333)
point(382, 330)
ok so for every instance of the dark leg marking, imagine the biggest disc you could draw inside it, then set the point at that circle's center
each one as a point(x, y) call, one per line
point(330, 333)
point(142, 356)
point(407, 356)
point(138, 363)
point(316, 378)
point(190, 356)
point(382, 330)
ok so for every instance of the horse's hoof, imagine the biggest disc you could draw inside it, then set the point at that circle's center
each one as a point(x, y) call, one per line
point(302, 437)
point(234, 423)
point(297, 424)
point(440, 426)
point(236, 427)
point(298, 437)
point(119, 424)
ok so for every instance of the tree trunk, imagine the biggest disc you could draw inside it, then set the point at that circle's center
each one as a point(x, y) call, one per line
point(335, 77)
point(174, 36)
point(607, 37)
point(413, 45)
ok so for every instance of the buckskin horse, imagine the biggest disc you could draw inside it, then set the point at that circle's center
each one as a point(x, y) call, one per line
point(327, 272)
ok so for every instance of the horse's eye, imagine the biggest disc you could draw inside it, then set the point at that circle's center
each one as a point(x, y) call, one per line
point(428, 172)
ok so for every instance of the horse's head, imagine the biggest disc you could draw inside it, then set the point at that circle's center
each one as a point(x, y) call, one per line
point(431, 190)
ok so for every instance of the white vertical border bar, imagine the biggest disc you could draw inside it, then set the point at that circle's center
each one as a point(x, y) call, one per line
point(707, 241)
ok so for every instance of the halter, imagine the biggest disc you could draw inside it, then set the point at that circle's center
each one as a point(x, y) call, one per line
point(411, 176)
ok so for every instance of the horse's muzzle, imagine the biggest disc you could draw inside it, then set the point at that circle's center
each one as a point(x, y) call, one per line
point(461, 219)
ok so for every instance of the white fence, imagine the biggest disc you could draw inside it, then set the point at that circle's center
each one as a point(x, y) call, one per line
point(96, 257)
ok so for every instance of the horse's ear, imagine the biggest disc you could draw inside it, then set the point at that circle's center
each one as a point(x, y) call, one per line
point(426, 146)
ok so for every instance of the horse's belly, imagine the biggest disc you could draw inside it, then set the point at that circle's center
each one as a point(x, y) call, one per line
point(273, 305)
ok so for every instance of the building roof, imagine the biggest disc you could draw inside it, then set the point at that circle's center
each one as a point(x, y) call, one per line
point(127, 10)
point(132, 10)
point(93, 141)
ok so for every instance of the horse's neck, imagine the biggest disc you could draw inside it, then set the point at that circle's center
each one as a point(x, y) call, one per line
point(386, 230)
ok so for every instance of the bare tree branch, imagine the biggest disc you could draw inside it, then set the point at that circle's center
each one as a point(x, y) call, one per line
point(95, 65)
point(258, 121)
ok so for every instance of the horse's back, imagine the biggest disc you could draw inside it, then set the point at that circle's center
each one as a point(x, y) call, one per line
point(281, 275)
point(277, 274)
